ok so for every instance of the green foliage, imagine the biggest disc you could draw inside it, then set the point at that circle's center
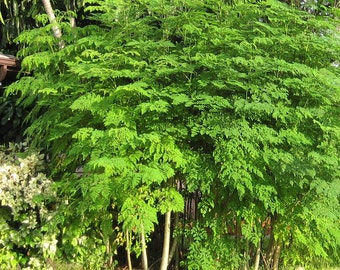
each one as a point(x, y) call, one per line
point(11, 120)
point(137, 215)
point(211, 249)
point(242, 102)
point(81, 246)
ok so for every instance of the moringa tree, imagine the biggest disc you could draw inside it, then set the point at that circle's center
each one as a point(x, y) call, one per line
point(238, 102)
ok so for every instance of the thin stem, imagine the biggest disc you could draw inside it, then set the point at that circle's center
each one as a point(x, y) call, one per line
point(55, 27)
point(174, 246)
point(166, 242)
point(128, 250)
point(277, 257)
point(258, 256)
point(144, 252)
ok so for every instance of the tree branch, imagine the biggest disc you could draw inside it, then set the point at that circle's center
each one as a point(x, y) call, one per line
point(55, 27)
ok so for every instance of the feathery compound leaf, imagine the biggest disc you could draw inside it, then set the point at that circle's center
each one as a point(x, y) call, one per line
point(169, 200)
point(86, 102)
point(160, 106)
point(137, 215)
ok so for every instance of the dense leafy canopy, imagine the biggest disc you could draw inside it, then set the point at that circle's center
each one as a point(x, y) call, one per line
point(240, 102)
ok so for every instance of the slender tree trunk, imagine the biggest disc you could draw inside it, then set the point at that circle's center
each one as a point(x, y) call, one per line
point(128, 251)
point(73, 22)
point(109, 253)
point(269, 258)
point(174, 246)
point(173, 250)
point(246, 256)
point(276, 258)
point(166, 242)
point(49, 11)
point(70, 6)
point(108, 249)
point(144, 253)
point(257, 256)
point(270, 253)
point(55, 28)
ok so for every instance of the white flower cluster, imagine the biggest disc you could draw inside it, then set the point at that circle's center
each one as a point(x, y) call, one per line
point(23, 189)
point(23, 209)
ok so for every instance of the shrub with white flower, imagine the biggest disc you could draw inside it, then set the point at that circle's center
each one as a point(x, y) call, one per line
point(25, 199)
